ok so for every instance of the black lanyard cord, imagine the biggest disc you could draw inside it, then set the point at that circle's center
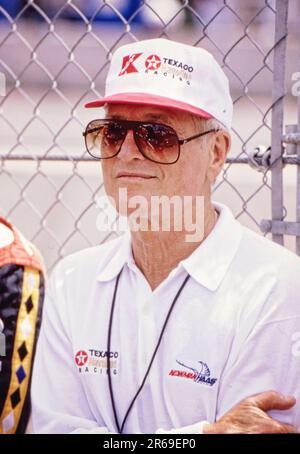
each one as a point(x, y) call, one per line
point(120, 429)
point(108, 351)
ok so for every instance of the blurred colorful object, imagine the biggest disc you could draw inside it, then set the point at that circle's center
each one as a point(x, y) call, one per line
point(114, 11)
point(21, 299)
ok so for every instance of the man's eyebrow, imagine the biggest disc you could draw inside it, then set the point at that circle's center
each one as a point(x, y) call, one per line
point(150, 116)
point(116, 117)
point(163, 117)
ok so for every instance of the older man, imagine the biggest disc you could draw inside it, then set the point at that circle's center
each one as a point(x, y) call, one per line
point(153, 332)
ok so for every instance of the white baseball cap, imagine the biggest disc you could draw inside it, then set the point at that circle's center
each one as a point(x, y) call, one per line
point(164, 73)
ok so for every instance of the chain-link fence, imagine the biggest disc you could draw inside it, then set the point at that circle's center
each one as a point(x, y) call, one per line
point(55, 56)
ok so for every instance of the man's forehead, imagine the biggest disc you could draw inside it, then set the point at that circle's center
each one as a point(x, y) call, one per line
point(142, 112)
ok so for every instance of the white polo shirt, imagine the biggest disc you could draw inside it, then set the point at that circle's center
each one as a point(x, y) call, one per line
point(234, 332)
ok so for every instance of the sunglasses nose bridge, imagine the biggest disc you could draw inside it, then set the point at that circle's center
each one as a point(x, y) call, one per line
point(129, 148)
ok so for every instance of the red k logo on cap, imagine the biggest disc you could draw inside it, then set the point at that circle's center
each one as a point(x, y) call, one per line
point(128, 66)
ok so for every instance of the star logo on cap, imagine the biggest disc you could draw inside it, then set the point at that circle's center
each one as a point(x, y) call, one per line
point(153, 62)
point(81, 358)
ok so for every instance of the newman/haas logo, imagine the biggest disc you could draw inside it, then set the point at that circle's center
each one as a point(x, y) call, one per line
point(201, 374)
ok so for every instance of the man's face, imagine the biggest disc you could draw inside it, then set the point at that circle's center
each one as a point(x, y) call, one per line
point(189, 176)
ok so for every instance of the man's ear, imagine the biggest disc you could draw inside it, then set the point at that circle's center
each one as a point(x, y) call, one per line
point(219, 148)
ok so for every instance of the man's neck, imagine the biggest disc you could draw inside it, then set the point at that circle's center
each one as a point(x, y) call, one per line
point(156, 254)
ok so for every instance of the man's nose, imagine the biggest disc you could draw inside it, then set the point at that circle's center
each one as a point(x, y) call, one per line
point(129, 149)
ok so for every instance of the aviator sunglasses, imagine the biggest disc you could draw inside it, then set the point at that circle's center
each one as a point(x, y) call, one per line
point(155, 141)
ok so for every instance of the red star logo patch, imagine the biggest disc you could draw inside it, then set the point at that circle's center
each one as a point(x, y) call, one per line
point(81, 358)
point(153, 62)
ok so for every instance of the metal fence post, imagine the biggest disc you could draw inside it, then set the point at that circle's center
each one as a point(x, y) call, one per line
point(298, 182)
point(277, 113)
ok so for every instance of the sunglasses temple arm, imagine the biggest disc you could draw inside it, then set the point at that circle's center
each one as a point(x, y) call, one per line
point(188, 139)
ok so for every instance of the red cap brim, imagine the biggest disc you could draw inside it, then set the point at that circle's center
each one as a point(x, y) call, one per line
point(149, 100)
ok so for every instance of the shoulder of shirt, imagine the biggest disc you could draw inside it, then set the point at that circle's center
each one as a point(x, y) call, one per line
point(266, 279)
point(262, 249)
point(90, 258)
point(272, 265)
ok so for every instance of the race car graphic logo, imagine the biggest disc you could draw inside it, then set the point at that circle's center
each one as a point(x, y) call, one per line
point(128, 66)
point(81, 358)
point(199, 374)
point(153, 62)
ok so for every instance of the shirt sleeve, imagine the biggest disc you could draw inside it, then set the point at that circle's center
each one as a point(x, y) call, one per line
point(268, 355)
point(196, 428)
point(58, 399)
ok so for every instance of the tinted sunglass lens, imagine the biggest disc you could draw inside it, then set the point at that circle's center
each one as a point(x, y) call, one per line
point(158, 142)
point(113, 135)
point(113, 132)
point(104, 139)
point(92, 138)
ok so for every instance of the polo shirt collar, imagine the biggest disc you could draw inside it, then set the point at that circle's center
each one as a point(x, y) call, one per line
point(113, 263)
point(208, 264)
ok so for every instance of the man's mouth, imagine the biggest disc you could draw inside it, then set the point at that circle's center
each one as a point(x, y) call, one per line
point(134, 175)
